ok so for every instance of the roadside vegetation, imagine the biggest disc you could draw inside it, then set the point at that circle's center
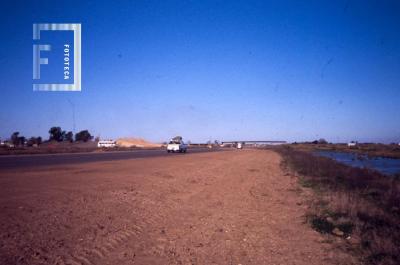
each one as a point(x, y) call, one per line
point(359, 205)
point(370, 149)
point(59, 141)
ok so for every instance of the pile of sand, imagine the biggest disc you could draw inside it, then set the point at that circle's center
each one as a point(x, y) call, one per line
point(135, 142)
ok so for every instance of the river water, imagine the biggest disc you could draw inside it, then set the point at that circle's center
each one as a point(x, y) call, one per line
point(388, 166)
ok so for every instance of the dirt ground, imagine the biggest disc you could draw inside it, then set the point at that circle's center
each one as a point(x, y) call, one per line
point(234, 207)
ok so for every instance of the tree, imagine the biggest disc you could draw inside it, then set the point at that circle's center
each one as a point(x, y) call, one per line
point(69, 137)
point(56, 134)
point(63, 133)
point(31, 141)
point(21, 140)
point(177, 139)
point(15, 138)
point(83, 136)
point(34, 141)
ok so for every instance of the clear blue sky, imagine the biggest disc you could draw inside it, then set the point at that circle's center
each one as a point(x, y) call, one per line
point(258, 70)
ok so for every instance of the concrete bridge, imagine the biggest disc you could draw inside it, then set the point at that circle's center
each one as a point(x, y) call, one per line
point(247, 142)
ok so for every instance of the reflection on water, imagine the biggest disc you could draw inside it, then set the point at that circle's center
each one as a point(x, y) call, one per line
point(388, 166)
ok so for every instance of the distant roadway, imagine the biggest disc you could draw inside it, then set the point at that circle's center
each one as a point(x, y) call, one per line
point(18, 161)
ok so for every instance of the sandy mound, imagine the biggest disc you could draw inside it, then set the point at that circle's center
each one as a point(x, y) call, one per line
point(135, 142)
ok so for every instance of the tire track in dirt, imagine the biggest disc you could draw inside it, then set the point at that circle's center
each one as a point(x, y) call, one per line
point(90, 256)
point(143, 227)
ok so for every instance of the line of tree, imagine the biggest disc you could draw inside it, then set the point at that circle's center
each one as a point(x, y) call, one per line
point(320, 141)
point(57, 134)
point(34, 141)
point(18, 140)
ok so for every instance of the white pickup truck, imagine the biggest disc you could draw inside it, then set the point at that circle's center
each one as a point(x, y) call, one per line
point(176, 146)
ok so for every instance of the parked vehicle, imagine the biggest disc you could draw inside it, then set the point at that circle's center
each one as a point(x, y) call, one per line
point(176, 145)
point(107, 143)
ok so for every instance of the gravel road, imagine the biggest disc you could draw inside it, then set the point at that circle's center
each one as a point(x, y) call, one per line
point(235, 207)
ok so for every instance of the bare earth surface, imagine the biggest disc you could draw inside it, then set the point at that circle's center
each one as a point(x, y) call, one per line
point(233, 207)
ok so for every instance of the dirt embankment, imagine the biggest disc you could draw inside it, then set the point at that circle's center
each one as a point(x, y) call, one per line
point(234, 207)
point(136, 142)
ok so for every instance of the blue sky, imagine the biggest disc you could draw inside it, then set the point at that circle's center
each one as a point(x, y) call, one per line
point(226, 70)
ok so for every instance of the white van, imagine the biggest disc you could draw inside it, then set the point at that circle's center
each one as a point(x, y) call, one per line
point(107, 143)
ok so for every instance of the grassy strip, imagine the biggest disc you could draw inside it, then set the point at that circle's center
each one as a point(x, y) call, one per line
point(354, 203)
point(370, 150)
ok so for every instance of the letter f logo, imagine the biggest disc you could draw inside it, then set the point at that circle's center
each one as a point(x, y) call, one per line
point(37, 60)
